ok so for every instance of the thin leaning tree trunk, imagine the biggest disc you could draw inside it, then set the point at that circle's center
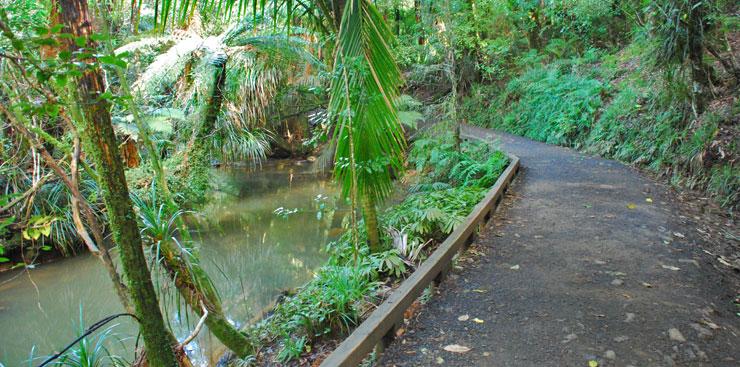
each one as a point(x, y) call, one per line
point(191, 280)
point(101, 141)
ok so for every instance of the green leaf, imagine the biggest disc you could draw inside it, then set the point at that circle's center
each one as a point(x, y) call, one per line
point(106, 96)
point(46, 230)
point(61, 80)
point(6, 223)
point(65, 55)
point(46, 248)
point(112, 60)
point(41, 30)
point(97, 37)
point(17, 44)
point(81, 41)
point(51, 109)
point(45, 41)
point(4, 259)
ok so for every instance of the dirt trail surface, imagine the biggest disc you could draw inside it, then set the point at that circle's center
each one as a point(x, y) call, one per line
point(588, 261)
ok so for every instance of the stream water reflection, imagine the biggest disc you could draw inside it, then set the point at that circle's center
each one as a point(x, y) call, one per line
point(262, 232)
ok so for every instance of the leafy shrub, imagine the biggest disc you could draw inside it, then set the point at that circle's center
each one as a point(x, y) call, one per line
point(433, 214)
point(476, 164)
point(548, 105)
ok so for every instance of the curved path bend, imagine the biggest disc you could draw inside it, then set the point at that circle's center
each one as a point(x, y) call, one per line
point(587, 260)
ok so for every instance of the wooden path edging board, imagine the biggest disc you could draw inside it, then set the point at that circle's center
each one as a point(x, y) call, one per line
point(382, 323)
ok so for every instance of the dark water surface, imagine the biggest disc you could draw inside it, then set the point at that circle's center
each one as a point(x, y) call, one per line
point(263, 231)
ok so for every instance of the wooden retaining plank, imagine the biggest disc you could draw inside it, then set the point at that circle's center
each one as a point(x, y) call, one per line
point(382, 321)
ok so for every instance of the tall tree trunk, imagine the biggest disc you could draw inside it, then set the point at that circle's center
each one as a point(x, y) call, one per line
point(533, 35)
point(197, 162)
point(449, 34)
point(370, 216)
point(398, 20)
point(417, 14)
point(135, 15)
point(192, 282)
point(700, 73)
point(101, 141)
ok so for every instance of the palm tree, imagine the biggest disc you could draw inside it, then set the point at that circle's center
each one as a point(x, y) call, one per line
point(368, 134)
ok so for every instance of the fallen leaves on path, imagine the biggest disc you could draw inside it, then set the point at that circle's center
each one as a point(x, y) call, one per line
point(456, 348)
point(463, 318)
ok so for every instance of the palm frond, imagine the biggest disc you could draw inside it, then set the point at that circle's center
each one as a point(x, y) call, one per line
point(362, 100)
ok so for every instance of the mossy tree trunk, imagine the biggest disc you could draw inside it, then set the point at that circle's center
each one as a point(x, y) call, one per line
point(191, 280)
point(198, 160)
point(102, 146)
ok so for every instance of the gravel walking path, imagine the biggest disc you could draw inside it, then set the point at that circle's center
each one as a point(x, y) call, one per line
point(587, 262)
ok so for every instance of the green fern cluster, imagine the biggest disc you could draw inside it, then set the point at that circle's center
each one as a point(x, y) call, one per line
point(434, 214)
point(475, 164)
point(593, 103)
point(551, 106)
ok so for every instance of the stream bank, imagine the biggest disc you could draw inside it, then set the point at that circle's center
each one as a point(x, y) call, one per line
point(253, 250)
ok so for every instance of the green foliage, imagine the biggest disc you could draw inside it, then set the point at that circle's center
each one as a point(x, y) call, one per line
point(612, 105)
point(333, 300)
point(292, 348)
point(368, 134)
point(157, 222)
point(476, 164)
point(93, 350)
point(452, 183)
point(434, 213)
point(724, 181)
point(344, 289)
point(550, 106)
point(37, 226)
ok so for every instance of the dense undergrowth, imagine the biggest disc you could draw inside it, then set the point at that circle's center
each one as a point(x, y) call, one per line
point(615, 106)
point(442, 189)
